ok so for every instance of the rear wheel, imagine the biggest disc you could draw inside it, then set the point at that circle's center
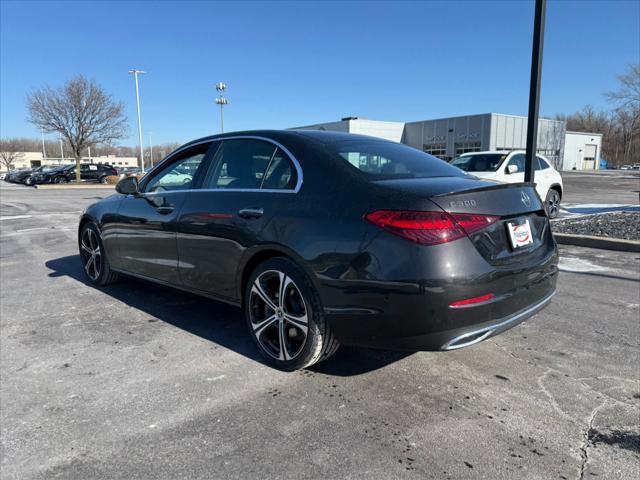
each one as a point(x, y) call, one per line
point(552, 203)
point(94, 258)
point(285, 316)
point(103, 180)
point(60, 180)
point(28, 181)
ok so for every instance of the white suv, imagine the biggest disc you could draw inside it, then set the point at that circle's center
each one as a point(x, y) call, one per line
point(508, 167)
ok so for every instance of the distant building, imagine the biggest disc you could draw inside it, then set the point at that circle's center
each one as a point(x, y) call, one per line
point(447, 138)
point(35, 159)
point(582, 151)
point(374, 128)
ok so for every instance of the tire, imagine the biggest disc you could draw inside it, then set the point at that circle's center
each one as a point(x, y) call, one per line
point(94, 258)
point(103, 180)
point(61, 180)
point(269, 321)
point(552, 203)
point(28, 181)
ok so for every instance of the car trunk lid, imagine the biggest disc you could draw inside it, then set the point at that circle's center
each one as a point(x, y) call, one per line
point(516, 204)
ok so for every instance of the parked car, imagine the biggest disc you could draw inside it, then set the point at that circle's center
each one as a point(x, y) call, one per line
point(327, 238)
point(50, 175)
point(3, 175)
point(509, 167)
point(128, 171)
point(88, 172)
point(18, 176)
point(29, 178)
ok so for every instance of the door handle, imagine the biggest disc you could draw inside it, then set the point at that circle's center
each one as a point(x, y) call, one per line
point(253, 212)
point(165, 209)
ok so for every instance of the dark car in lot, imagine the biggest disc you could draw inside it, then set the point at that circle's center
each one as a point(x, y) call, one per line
point(88, 172)
point(17, 176)
point(49, 175)
point(326, 238)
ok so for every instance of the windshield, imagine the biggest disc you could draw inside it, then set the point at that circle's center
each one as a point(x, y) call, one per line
point(479, 162)
point(387, 160)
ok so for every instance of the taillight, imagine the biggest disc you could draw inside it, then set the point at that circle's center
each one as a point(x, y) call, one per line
point(430, 228)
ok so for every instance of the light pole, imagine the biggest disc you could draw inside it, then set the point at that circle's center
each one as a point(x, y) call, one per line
point(135, 74)
point(61, 149)
point(534, 89)
point(151, 148)
point(44, 150)
point(89, 150)
point(222, 101)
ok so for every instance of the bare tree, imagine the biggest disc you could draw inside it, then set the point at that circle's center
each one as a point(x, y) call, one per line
point(81, 111)
point(628, 95)
point(10, 151)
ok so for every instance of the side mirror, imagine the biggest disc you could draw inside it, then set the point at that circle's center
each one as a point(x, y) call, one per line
point(127, 186)
point(512, 169)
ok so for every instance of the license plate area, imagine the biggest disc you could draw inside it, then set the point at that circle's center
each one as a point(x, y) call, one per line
point(520, 233)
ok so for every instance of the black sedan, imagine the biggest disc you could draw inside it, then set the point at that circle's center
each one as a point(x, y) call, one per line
point(326, 238)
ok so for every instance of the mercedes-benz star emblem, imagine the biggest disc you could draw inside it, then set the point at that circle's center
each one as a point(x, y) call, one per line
point(525, 199)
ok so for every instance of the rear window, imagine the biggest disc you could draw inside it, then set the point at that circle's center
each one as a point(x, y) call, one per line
point(386, 160)
point(480, 162)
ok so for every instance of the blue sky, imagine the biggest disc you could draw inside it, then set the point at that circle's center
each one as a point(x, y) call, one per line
point(295, 63)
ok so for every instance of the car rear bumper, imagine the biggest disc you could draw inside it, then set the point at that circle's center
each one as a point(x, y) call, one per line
point(418, 314)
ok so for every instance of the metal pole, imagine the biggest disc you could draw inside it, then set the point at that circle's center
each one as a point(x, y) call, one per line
point(221, 118)
point(534, 89)
point(44, 150)
point(135, 74)
point(61, 149)
point(89, 148)
point(151, 148)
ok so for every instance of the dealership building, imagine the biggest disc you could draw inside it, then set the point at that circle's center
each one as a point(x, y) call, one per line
point(447, 138)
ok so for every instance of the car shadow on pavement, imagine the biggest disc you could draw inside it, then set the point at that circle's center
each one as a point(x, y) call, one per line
point(214, 321)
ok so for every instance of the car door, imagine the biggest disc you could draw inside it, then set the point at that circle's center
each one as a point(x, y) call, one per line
point(146, 235)
point(543, 177)
point(247, 180)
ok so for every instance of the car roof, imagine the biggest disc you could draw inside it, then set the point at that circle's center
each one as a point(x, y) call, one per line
point(322, 136)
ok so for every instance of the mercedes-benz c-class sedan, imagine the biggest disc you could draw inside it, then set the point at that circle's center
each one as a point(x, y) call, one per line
point(326, 238)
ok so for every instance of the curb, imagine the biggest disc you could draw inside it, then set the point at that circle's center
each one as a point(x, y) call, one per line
point(603, 243)
point(68, 186)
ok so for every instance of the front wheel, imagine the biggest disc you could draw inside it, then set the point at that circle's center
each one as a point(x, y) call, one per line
point(552, 203)
point(285, 316)
point(28, 181)
point(94, 258)
point(61, 180)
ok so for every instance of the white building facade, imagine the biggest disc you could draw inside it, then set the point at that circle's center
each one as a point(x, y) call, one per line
point(582, 151)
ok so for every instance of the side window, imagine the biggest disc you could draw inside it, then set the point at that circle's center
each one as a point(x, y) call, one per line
point(179, 174)
point(518, 160)
point(281, 174)
point(240, 164)
point(541, 164)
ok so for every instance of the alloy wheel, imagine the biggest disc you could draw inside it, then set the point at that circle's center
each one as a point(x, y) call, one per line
point(278, 315)
point(91, 254)
point(553, 204)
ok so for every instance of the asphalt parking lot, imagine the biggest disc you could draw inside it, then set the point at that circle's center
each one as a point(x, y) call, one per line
point(141, 381)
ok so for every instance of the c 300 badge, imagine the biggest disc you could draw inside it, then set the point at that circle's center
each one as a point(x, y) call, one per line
point(462, 203)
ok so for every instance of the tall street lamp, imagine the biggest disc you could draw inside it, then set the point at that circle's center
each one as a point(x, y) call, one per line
point(151, 149)
point(44, 150)
point(135, 74)
point(222, 101)
point(61, 149)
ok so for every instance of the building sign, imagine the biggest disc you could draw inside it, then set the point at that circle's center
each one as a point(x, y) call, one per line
point(468, 136)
